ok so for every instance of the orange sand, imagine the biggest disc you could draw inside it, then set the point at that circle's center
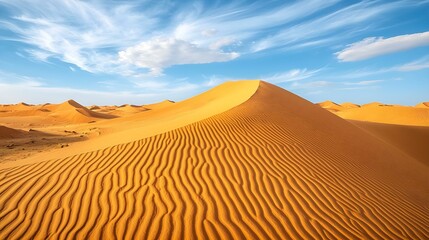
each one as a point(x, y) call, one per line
point(244, 160)
point(392, 114)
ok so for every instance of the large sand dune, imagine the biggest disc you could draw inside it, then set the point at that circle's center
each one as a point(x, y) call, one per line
point(254, 162)
point(413, 140)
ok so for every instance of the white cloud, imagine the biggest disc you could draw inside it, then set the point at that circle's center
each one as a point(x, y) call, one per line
point(86, 34)
point(90, 34)
point(159, 53)
point(291, 75)
point(343, 22)
point(363, 83)
point(373, 47)
point(419, 64)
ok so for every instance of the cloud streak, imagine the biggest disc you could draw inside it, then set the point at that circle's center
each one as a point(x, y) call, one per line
point(373, 47)
point(291, 75)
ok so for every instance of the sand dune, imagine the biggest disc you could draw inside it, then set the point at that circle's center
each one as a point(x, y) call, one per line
point(331, 106)
point(73, 112)
point(6, 132)
point(335, 107)
point(256, 162)
point(347, 105)
point(413, 140)
point(68, 112)
point(159, 105)
point(382, 113)
point(423, 105)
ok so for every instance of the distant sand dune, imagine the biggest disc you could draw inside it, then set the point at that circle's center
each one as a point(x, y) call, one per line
point(73, 112)
point(380, 113)
point(423, 105)
point(331, 106)
point(67, 112)
point(159, 105)
point(273, 166)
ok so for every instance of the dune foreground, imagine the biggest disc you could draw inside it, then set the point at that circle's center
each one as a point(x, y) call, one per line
point(245, 160)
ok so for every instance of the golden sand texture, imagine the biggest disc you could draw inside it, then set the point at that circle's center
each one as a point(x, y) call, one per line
point(392, 114)
point(263, 164)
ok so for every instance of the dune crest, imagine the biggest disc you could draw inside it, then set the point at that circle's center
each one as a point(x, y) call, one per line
point(159, 105)
point(256, 162)
point(423, 105)
point(331, 106)
point(347, 105)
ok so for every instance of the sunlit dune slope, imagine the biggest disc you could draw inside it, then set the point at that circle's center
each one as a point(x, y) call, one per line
point(335, 107)
point(67, 112)
point(347, 105)
point(388, 114)
point(124, 110)
point(423, 105)
point(331, 106)
point(159, 105)
point(256, 162)
point(73, 112)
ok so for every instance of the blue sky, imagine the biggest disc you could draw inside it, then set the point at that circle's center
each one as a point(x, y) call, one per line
point(115, 52)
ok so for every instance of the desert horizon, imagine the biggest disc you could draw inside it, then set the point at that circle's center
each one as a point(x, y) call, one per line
point(245, 159)
point(199, 119)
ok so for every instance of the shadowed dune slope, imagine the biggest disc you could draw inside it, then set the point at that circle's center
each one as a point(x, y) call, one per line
point(413, 140)
point(6, 132)
point(273, 167)
point(388, 114)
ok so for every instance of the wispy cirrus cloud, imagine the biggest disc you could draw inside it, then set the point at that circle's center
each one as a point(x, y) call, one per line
point(124, 37)
point(416, 65)
point(291, 75)
point(419, 64)
point(363, 83)
point(343, 22)
point(373, 46)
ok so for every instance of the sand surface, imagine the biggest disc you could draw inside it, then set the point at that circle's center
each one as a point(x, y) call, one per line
point(388, 114)
point(413, 140)
point(245, 160)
